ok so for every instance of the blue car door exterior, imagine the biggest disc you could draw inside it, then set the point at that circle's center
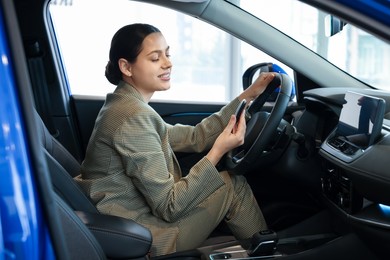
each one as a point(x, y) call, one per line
point(23, 233)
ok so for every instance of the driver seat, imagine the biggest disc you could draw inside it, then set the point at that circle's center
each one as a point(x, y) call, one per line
point(118, 237)
point(96, 234)
point(63, 167)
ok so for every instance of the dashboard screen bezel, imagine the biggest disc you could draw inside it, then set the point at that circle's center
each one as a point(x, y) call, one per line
point(361, 119)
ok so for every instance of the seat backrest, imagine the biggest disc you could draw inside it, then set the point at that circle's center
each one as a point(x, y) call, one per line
point(93, 236)
point(63, 167)
point(57, 150)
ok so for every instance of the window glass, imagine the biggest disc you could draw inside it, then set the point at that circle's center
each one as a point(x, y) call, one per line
point(207, 63)
point(356, 52)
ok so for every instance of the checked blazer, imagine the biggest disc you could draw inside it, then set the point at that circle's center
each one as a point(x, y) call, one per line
point(130, 170)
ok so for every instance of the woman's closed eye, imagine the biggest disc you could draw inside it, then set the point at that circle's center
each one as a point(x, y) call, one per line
point(156, 59)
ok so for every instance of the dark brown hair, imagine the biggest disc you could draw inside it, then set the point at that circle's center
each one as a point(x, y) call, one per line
point(127, 44)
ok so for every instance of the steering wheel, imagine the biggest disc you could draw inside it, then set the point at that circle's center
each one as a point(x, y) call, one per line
point(262, 127)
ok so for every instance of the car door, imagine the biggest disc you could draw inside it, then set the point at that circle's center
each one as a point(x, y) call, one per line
point(29, 220)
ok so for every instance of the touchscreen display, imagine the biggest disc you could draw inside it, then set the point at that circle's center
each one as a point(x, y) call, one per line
point(361, 119)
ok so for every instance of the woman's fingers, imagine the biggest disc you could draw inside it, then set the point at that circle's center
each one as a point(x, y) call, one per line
point(231, 124)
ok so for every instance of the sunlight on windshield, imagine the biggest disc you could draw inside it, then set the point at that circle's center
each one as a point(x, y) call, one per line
point(356, 52)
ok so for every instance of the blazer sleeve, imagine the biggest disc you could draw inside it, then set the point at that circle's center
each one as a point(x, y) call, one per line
point(144, 158)
point(185, 138)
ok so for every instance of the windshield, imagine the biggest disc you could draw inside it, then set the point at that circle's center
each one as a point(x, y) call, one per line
point(358, 53)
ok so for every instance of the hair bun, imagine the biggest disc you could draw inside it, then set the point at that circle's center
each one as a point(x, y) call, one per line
point(113, 73)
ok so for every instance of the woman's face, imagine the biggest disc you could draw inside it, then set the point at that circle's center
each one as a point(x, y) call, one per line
point(152, 70)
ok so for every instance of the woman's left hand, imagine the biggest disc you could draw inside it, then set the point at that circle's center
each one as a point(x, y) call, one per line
point(231, 137)
point(257, 87)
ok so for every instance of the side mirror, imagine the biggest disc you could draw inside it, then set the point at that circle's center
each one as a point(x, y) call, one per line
point(333, 25)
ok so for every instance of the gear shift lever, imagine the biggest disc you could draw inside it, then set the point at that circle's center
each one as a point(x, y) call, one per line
point(263, 243)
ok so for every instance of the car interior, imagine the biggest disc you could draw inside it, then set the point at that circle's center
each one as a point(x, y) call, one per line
point(321, 183)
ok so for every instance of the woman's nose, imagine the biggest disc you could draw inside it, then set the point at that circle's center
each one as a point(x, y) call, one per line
point(167, 62)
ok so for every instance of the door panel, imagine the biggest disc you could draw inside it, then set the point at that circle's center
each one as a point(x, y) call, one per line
point(86, 109)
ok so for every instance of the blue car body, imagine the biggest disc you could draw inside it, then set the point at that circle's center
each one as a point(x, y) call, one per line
point(23, 232)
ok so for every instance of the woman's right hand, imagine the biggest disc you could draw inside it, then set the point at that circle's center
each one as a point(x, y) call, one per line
point(231, 137)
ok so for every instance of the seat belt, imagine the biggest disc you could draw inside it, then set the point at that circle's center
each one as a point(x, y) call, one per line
point(40, 87)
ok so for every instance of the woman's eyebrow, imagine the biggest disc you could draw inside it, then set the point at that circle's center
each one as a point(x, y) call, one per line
point(158, 51)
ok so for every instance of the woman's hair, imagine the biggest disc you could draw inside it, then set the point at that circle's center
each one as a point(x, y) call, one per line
point(127, 44)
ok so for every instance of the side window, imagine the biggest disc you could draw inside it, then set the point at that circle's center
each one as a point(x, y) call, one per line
point(207, 62)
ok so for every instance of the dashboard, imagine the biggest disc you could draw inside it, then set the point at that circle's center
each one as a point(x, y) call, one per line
point(354, 184)
point(366, 166)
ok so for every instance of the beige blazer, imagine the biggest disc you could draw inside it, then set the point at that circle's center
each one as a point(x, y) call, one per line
point(130, 169)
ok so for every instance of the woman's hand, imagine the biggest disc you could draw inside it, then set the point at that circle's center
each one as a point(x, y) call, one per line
point(232, 136)
point(257, 87)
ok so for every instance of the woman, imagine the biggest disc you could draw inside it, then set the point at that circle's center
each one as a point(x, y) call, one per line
point(130, 169)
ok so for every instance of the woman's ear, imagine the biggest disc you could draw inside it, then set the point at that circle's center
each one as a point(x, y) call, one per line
point(125, 67)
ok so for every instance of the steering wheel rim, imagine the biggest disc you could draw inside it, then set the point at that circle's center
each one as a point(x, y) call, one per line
point(241, 159)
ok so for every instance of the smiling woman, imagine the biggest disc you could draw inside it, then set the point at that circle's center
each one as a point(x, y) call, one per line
point(131, 170)
point(139, 55)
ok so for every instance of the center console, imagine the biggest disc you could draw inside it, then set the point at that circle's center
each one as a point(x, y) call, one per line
point(237, 252)
point(284, 248)
point(262, 245)
point(355, 179)
point(338, 188)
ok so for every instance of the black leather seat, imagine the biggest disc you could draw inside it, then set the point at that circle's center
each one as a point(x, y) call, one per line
point(63, 167)
point(78, 241)
point(88, 234)
point(117, 237)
